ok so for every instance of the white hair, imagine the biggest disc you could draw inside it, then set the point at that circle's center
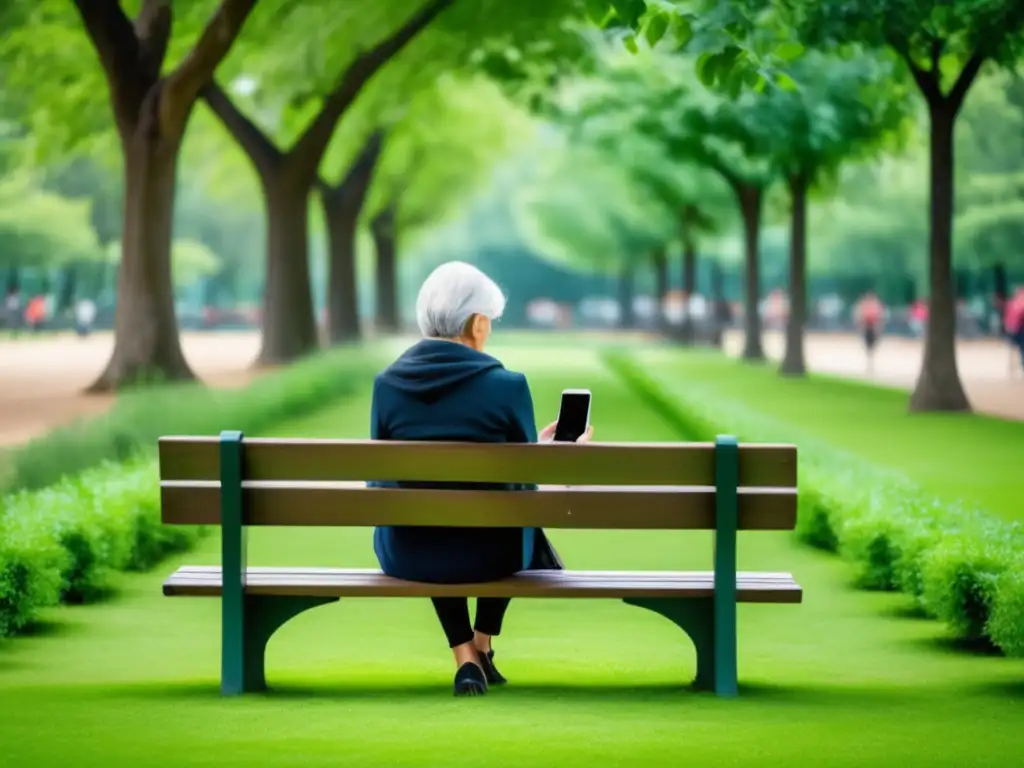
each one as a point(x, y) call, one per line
point(452, 294)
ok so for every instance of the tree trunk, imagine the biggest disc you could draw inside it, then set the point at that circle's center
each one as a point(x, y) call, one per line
point(689, 288)
point(289, 325)
point(938, 385)
point(68, 286)
point(793, 363)
point(721, 314)
point(383, 230)
point(13, 280)
point(1000, 293)
point(342, 280)
point(750, 198)
point(627, 318)
point(146, 343)
point(719, 307)
point(342, 204)
point(660, 262)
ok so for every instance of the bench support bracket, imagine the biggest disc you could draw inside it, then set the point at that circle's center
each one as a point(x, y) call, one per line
point(696, 617)
point(264, 615)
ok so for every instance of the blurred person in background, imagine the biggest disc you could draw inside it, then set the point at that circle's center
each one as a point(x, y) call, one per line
point(85, 316)
point(445, 388)
point(918, 318)
point(869, 314)
point(35, 313)
point(1013, 321)
point(12, 309)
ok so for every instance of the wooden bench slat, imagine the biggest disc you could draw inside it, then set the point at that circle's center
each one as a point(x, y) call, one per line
point(752, 587)
point(197, 458)
point(594, 507)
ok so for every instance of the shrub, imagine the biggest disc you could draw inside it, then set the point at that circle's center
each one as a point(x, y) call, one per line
point(64, 542)
point(105, 520)
point(960, 565)
point(30, 572)
point(1005, 626)
point(141, 416)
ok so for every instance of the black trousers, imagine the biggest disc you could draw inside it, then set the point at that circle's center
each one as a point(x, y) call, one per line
point(453, 613)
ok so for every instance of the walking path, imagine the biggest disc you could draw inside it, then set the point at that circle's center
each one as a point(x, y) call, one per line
point(42, 380)
point(985, 366)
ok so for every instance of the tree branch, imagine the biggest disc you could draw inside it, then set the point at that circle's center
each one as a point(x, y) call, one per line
point(312, 144)
point(114, 40)
point(197, 68)
point(927, 82)
point(963, 83)
point(153, 32)
point(936, 56)
point(259, 147)
point(349, 195)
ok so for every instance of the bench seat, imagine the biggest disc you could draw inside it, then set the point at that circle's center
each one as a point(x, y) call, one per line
point(205, 581)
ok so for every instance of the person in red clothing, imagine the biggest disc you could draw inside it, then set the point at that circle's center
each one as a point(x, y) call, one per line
point(1013, 321)
point(35, 313)
point(869, 315)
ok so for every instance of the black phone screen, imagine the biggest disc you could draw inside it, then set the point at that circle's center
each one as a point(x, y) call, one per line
point(572, 417)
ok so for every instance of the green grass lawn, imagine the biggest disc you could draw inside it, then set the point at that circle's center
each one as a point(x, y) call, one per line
point(958, 456)
point(846, 679)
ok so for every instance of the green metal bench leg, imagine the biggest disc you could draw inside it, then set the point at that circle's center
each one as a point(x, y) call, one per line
point(696, 617)
point(245, 651)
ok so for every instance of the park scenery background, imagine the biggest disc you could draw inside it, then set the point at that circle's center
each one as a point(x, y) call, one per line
point(216, 215)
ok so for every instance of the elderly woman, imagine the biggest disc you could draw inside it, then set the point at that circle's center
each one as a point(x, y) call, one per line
point(445, 388)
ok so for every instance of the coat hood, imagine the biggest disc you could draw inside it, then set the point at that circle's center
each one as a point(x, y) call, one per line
point(433, 367)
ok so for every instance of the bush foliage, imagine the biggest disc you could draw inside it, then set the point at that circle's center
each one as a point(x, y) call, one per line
point(960, 565)
point(65, 541)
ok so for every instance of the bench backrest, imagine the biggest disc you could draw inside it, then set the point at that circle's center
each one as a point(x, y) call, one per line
point(287, 482)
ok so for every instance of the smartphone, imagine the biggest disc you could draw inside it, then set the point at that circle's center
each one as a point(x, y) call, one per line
point(573, 415)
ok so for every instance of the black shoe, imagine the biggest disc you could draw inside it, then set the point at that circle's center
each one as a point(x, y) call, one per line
point(470, 680)
point(494, 677)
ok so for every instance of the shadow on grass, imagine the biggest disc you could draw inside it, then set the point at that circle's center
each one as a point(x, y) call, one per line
point(590, 694)
point(910, 611)
point(982, 648)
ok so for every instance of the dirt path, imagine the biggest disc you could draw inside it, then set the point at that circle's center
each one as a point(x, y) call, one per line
point(41, 380)
point(985, 366)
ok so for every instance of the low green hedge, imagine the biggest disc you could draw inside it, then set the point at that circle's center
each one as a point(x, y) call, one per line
point(960, 565)
point(65, 541)
point(138, 418)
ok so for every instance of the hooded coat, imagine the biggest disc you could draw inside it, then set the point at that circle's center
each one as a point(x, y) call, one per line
point(443, 391)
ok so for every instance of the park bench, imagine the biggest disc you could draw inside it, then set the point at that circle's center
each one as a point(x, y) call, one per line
point(234, 483)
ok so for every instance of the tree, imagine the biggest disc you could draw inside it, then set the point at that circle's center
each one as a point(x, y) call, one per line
point(342, 206)
point(944, 44)
point(660, 98)
point(151, 109)
point(445, 146)
point(42, 230)
point(842, 109)
point(288, 175)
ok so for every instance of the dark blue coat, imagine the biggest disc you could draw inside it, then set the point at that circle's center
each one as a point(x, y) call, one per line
point(444, 391)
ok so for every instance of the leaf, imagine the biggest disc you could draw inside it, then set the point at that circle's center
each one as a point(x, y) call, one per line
point(682, 31)
point(705, 67)
point(785, 82)
point(629, 11)
point(656, 29)
point(789, 50)
point(630, 42)
point(598, 11)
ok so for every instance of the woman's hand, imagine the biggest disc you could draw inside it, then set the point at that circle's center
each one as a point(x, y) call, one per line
point(547, 434)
